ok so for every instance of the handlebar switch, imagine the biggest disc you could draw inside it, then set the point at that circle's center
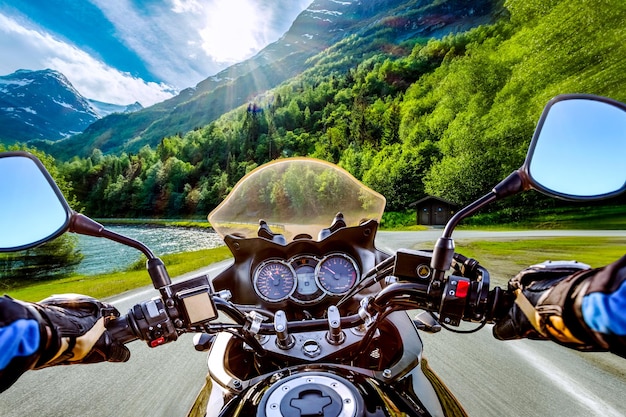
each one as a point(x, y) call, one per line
point(284, 340)
point(150, 320)
point(454, 300)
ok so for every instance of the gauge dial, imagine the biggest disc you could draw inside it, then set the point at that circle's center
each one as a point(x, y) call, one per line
point(307, 289)
point(336, 274)
point(274, 280)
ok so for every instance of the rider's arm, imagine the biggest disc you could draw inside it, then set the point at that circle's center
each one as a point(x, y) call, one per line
point(603, 307)
point(59, 330)
point(22, 337)
point(585, 310)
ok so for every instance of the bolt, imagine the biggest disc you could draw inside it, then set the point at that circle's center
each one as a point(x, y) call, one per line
point(237, 384)
point(387, 373)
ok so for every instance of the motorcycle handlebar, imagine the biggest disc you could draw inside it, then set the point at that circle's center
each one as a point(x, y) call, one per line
point(120, 330)
point(151, 322)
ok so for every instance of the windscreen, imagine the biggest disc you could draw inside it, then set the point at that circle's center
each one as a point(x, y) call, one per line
point(295, 196)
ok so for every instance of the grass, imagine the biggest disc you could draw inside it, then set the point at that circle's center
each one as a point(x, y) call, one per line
point(105, 285)
point(196, 223)
point(504, 258)
point(611, 217)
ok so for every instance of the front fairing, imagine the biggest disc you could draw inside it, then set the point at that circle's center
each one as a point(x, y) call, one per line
point(249, 253)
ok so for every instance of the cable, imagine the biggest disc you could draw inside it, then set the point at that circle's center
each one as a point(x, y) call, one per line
point(450, 329)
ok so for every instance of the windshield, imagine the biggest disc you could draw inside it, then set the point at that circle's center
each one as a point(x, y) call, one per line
point(295, 196)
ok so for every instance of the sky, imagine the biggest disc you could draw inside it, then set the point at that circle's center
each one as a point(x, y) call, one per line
point(122, 51)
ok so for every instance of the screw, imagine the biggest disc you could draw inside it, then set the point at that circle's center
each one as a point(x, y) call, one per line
point(387, 373)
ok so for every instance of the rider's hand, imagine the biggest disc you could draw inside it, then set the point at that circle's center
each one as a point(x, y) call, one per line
point(545, 302)
point(76, 332)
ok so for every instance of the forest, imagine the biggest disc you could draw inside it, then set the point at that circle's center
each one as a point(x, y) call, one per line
point(448, 117)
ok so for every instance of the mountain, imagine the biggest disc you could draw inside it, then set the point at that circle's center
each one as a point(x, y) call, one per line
point(104, 109)
point(41, 105)
point(379, 24)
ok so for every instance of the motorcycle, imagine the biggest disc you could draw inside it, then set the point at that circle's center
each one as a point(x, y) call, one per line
point(310, 319)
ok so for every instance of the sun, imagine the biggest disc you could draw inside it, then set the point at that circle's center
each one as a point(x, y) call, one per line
point(234, 30)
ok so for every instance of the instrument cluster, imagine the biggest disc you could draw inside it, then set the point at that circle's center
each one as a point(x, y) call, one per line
point(305, 279)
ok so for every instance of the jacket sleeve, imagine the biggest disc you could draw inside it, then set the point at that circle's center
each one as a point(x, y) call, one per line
point(22, 338)
point(601, 307)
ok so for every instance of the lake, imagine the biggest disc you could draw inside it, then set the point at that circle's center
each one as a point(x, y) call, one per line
point(102, 255)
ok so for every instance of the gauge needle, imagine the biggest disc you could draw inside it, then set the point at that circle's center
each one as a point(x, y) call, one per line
point(329, 270)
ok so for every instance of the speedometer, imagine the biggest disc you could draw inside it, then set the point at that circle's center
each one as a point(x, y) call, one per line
point(274, 280)
point(336, 273)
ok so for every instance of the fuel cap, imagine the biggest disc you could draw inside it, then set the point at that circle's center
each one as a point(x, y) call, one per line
point(313, 394)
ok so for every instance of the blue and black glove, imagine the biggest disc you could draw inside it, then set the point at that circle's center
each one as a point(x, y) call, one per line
point(545, 305)
point(60, 330)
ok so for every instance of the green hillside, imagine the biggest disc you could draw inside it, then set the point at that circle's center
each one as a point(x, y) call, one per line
point(447, 116)
point(376, 22)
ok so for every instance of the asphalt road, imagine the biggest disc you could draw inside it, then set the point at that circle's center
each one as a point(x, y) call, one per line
point(490, 378)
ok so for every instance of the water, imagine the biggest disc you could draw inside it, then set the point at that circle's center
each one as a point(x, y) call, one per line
point(103, 256)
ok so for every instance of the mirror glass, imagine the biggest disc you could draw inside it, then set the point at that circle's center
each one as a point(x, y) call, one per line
point(578, 150)
point(32, 210)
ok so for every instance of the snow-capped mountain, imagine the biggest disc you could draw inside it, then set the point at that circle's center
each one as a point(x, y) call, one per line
point(44, 105)
point(104, 109)
point(41, 105)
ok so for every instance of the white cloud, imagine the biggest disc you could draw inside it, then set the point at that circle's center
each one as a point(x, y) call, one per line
point(30, 48)
point(161, 38)
point(180, 42)
point(234, 30)
point(183, 6)
point(185, 41)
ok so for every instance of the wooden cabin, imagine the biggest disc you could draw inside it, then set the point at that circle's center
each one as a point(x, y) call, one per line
point(433, 210)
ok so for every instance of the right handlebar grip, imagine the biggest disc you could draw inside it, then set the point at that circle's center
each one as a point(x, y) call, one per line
point(121, 330)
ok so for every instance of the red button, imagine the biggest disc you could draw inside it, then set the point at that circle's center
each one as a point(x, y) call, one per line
point(461, 289)
point(157, 342)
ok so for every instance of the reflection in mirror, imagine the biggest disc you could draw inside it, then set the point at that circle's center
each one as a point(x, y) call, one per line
point(32, 211)
point(580, 148)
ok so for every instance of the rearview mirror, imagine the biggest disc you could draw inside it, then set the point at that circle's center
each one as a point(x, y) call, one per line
point(576, 153)
point(578, 149)
point(33, 210)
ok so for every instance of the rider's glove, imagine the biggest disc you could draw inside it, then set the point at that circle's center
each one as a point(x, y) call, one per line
point(547, 299)
point(76, 332)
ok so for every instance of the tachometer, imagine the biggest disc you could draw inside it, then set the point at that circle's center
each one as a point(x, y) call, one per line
point(274, 280)
point(336, 273)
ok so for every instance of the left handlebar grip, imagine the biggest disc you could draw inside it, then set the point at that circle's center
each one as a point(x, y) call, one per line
point(121, 330)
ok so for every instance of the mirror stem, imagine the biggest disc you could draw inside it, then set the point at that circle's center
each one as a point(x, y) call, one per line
point(444, 248)
point(83, 225)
